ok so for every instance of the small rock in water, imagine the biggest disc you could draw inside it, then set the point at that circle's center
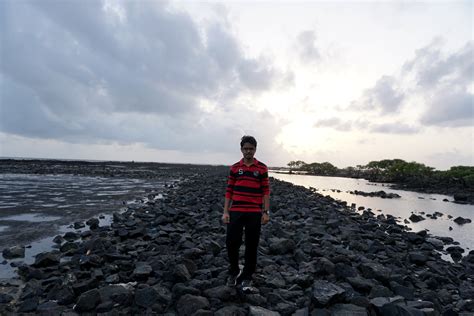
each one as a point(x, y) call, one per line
point(416, 218)
point(78, 225)
point(461, 221)
point(58, 239)
point(13, 252)
point(93, 223)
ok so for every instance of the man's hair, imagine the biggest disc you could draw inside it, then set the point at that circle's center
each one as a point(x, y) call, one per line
point(248, 139)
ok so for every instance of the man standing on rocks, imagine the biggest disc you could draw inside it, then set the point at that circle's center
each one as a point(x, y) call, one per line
point(247, 192)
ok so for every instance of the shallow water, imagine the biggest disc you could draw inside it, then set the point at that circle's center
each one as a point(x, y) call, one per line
point(43, 245)
point(34, 218)
point(400, 207)
point(31, 203)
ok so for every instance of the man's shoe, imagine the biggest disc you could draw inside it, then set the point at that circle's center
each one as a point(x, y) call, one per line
point(232, 280)
point(246, 287)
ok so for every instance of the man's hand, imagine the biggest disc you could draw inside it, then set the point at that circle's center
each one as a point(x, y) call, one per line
point(265, 218)
point(226, 218)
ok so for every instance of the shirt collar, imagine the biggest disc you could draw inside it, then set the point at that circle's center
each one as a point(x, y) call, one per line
point(255, 162)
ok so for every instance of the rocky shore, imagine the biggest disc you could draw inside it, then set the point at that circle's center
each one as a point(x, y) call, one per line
point(460, 195)
point(380, 194)
point(316, 257)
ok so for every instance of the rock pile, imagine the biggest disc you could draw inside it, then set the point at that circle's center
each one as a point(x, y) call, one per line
point(316, 256)
point(381, 194)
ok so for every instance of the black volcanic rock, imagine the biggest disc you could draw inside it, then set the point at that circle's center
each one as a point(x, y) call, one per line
point(188, 304)
point(13, 252)
point(416, 218)
point(93, 223)
point(316, 255)
point(380, 194)
point(46, 259)
point(146, 297)
point(87, 301)
point(461, 221)
point(325, 293)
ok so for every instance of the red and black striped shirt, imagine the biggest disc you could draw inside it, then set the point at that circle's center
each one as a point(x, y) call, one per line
point(247, 185)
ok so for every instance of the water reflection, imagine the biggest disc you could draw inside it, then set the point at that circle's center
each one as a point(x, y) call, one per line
point(400, 207)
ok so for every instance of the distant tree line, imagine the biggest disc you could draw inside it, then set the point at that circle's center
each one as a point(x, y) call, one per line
point(409, 174)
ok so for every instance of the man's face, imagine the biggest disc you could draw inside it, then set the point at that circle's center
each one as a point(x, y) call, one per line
point(248, 150)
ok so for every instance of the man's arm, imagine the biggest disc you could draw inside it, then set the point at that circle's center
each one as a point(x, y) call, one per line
point(266, 203)
point(226, 216)
point(266, 197)
point(228, 196)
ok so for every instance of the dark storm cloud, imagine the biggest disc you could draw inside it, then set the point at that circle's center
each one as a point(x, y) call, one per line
point(84, 71)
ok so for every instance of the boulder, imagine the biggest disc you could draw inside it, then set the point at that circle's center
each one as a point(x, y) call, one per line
point(87, 301)
point(438, 244)
point(222, 292)
point(46, 259)
point(181, 273)
point(418, 258)
point(28, 305)
point(142, 270)
point(281, 246)
point(71, 236)
point(347, 309)
point(5, 298)
point(260, 311)
point(188, 304)
point(461, 221)
point(93, 223)
point(416, 218)
point(14, 252)
point(231, 310)
point(146, 297)
point(325, 293)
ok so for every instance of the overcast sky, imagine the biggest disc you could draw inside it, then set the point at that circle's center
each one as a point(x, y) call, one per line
point(345, 82)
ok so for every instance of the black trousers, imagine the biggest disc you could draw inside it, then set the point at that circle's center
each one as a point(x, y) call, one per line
point(251, 221)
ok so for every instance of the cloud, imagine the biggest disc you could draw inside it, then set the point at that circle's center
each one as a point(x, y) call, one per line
point(335, 123)
point(306, 45)
point(97, 71)
point(364, 125)
point(384, 97)
point(394, 128)
point(437, 84)
point(453, 109)
point(444, 82)
point(431, 69)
